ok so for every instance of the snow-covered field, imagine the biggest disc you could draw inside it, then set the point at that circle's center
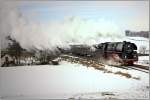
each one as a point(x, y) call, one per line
point(69, 80)
point(53, 25)
point(143, 60)
point(75, 81)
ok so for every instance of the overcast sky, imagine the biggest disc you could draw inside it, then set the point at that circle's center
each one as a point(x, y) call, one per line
point(44, 20)
point(132, 15)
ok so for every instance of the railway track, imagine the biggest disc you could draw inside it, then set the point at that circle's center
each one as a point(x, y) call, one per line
point(141, 66)
point(138, 67)
point(83, 61)
point(90, 62)
point(87, 61)
point(135, 68)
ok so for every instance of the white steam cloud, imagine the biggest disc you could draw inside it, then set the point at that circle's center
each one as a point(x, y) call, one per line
point(54, 33)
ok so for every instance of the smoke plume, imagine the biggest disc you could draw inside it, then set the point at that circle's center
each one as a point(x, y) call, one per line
point(56, 33)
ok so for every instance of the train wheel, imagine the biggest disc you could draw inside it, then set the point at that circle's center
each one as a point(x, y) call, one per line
point(130, 63)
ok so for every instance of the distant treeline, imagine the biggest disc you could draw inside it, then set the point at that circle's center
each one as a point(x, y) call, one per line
point(140, 54)
point(137, 34)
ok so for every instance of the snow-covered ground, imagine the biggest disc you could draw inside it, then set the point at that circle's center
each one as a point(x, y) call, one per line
point(76, 81)
point(69, 80)
point(143, 60)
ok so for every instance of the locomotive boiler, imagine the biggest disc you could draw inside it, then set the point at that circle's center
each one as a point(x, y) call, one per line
point(125, 52)
point(121, 52)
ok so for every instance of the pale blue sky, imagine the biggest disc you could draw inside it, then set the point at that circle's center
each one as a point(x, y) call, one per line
point(133, 15)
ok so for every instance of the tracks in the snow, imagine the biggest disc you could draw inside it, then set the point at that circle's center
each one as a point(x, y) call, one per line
point(97, 65)
point(141, 66)
point(83, 61)
point(134, 68)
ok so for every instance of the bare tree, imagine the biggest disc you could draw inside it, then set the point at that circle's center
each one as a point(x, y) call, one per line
point(142, 49)
point(14, 49)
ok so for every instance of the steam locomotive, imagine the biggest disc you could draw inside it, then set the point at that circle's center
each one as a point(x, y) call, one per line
point(122, 52)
